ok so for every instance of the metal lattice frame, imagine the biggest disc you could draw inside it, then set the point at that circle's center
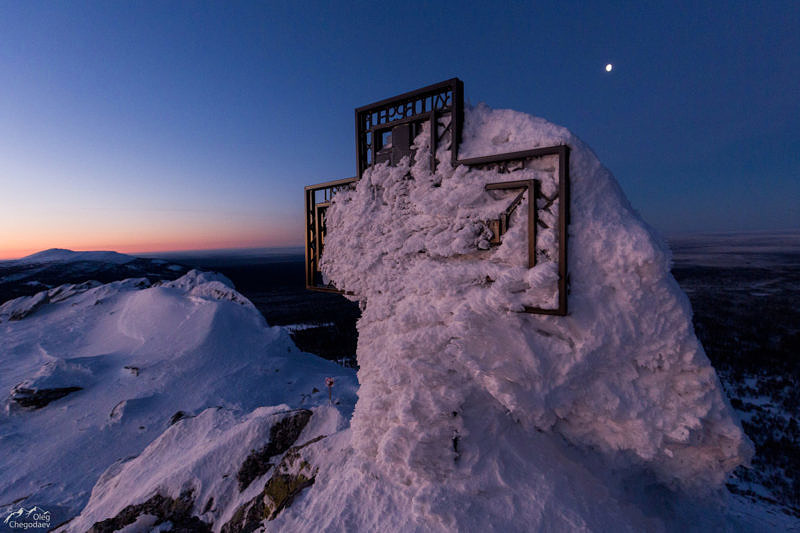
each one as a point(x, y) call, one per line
point(402, 117)
point(317, 200)
point(500, 225)
point(514, 161)
point(410, 110)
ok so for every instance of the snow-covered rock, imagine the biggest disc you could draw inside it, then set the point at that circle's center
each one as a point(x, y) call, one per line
point(474, 416)
point(227, 470)
point(132, 357)
point(19, 308)
point(24, 306)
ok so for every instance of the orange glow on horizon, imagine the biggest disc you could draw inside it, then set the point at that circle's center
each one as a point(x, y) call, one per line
point(133, 232)
point(7, 254)
point(172, 243)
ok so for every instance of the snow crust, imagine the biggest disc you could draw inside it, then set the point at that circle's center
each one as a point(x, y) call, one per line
point(140, 353)
point(473, 415)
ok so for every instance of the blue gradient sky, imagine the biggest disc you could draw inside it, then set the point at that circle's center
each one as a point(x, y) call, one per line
point(145, 126)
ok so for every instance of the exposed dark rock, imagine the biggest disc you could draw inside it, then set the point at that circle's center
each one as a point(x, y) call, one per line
point(62, 292)
point(177, 511)
point(180, 415)
point(133, 369)
point(291, 476)
point(293, 454)
point(255, 466)
point(209, 505)
point(278, 494)
point(281, 436)
point(282, 489)
point(36, 399)
point(248, 517)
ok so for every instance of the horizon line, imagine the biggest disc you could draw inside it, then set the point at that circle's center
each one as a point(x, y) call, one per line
point(300, 247)
point(156, 254)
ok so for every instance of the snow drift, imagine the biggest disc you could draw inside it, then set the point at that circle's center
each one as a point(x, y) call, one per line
point(473, 415)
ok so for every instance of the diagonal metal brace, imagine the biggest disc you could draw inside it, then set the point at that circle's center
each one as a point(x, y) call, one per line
point(499, 225)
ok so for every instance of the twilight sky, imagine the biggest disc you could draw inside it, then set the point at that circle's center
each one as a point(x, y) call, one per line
point(151, 126)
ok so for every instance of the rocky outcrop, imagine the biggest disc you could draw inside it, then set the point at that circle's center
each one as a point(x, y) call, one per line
point(214, 470)
point(38, 398)
point(178, 416)
point(281, 436)
point(293, 474)
point(177, 511)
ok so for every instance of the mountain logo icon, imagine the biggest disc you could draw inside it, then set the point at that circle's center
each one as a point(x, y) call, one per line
point(36, 509)
point(15, 514)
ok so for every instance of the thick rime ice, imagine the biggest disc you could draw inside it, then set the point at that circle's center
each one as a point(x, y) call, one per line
point(461, 394)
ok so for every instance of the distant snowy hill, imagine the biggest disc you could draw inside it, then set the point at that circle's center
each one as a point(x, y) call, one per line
point(60, 255)
point(55, 267)
point(91, 374)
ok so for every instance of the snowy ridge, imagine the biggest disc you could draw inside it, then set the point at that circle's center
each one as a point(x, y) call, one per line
point(448, 367)
point(24, 306)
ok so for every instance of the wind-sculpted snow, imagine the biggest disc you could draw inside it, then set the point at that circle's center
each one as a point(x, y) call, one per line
point(195, 279)
point(447, 362)
point(133, 356)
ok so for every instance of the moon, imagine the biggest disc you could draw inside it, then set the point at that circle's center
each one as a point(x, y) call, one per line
point(609, 67)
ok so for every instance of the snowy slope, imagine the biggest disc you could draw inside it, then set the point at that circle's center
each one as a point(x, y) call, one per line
point(139, 354)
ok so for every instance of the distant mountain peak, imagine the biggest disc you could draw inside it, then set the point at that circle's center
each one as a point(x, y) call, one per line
point(62, 255)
